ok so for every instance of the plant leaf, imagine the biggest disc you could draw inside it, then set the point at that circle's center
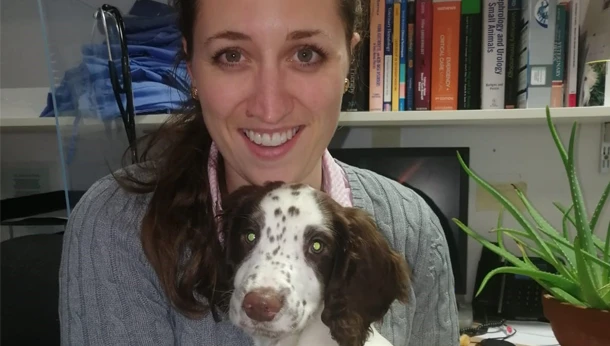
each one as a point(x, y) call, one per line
point(545, 279)
point(566, 297)
point(514, 260)
point(586, 278)
point(546, 228)
point(580, 213)
point(558, 144)
point(566, 212)
point(564, 223)
point(596, 240)
point(576, 293)
point(567, 248)
point(600, 206)
point(509, 207)
point(604, 292)
point(500, 239)
point(606, 258)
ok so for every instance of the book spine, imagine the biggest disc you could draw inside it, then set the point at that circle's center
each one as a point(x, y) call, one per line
point(388, 48)
point(559, 53)
point(410, 54)
point(493, 73)
point(423, 53)
point(376, 53)
point(513, 36)
point(445, 54)
point(396, 53)
point(536, 59)
point(571, 81)
point(469, 87)
point(402, 97)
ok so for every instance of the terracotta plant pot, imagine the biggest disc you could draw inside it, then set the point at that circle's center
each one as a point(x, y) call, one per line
point(577, 326)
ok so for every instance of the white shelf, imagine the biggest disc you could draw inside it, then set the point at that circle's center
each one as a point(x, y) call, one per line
point(19, 115)
point(477, 117)
point(20, 122)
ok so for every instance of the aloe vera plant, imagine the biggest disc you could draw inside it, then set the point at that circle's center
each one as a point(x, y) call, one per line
point(582, 262)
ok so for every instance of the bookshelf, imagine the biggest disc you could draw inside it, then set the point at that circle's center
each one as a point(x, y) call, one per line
point(16, 121)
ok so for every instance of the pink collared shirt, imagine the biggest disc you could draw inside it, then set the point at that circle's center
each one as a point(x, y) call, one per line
point(334, 181)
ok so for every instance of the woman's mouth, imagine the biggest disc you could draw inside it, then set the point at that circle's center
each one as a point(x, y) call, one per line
point(273, 139)
point(271, 145)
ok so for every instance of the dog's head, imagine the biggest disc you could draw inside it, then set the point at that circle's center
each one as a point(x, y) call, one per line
point(295, 253)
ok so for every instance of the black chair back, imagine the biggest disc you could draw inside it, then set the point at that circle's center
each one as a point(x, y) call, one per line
point(30, 289)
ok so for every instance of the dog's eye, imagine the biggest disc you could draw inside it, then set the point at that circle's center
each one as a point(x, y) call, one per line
point(250, 237)
point(317, 246)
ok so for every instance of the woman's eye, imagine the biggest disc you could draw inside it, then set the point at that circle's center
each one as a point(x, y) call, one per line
point(317, 246)
point(250, 237)
point(228, 57)
point(307, 56)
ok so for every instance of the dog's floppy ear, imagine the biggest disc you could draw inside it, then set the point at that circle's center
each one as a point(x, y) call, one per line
point(368, 276)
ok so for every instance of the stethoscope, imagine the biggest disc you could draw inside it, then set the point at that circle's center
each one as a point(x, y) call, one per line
point(127, 113)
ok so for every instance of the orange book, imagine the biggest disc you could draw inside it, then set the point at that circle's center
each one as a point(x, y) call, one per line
point(445, 54)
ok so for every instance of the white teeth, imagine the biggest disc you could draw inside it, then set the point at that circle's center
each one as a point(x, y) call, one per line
point(271, 140)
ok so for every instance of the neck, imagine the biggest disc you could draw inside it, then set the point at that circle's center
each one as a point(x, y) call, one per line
point(233, 180)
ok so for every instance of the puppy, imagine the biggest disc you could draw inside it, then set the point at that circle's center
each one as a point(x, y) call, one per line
point(307, 271)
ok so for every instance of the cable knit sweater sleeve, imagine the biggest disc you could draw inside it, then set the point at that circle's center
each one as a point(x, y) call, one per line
point(431, 316)
point(108, 292)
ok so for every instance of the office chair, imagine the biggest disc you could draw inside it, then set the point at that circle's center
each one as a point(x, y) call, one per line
point(30, 270)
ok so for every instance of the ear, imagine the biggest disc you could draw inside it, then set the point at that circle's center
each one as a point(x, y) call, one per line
point(355, 40)
point(367, 278)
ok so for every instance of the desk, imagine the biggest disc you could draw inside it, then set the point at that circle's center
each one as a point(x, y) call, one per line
point(526, 334)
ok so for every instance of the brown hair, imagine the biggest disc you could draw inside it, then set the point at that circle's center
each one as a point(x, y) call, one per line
point(178, 231)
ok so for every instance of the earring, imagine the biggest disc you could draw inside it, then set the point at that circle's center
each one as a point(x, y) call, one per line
point(346, 85)
point(194, 94)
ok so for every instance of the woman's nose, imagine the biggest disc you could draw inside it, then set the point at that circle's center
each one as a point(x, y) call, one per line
point(270, 100)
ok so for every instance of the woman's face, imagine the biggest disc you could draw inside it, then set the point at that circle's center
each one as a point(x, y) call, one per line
point(270, 77)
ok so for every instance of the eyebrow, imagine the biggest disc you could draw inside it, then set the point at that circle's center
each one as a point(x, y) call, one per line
point(239, 36)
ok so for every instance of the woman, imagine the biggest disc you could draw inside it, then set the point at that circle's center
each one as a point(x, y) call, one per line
point(267, 82)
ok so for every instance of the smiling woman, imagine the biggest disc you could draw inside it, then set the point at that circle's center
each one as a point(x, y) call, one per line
point(269, 76)
point(145, 259)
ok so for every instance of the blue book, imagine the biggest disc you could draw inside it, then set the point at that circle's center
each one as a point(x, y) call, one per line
point(403, 55)
point(387, 66)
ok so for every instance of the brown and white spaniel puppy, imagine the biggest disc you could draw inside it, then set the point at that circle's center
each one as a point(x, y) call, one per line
point(307, 271)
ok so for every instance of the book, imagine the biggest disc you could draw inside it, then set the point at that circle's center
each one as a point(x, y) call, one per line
point(493, 64)
point(388, 52)
point(469, 87)
point(410, 55)
point(376, 55)
point(536, 58)
point(445, 54)
point(513, 37)
point(396, 53)
point(423, 53)
point(402, 96)
point(559, 55)
point(571, 69)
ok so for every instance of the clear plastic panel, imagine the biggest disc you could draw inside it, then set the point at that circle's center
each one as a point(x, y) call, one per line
point(99, 53)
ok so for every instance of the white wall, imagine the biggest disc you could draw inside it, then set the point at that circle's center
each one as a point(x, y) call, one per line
point(498, 153)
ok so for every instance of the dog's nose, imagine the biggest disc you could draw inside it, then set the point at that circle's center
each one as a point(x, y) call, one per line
point(262, 304)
